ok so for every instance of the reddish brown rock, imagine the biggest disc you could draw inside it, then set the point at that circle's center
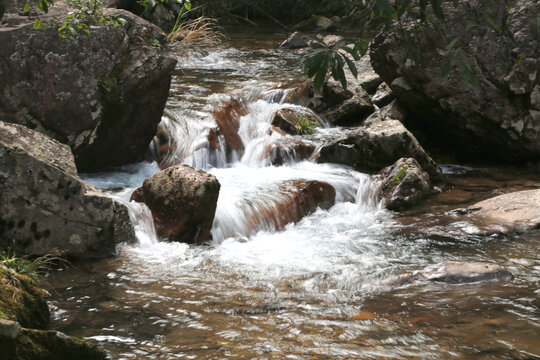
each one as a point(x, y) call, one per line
point(228, 120)
point(183, 203)
point(299, 198)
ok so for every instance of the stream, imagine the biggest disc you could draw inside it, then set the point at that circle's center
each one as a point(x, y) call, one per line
point(314, 289)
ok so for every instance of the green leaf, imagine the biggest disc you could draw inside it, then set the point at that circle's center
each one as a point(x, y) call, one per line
point(361, 47)
point(352, 52)
point(26, 7)
point(321, 75)
point(37, 24)
point(187, 5)
point(352, 67)
point(452, 43)
point(491, 22)
point(445, 70)
point(471, 25)
point(437, 8)
point(43, 6)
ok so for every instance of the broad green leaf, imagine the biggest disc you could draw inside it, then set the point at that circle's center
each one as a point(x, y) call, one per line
point(187, 5)
point(353, 53)
point(37, 24)
point(361, 47)
point(352, 66)
point(26, 7)
point(321, 75)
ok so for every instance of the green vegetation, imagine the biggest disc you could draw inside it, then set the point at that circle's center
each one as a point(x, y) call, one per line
point(399, 176)
point(34, 268)
point(305, 126)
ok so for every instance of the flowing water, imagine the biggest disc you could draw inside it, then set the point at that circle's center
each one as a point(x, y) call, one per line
point(314, 289)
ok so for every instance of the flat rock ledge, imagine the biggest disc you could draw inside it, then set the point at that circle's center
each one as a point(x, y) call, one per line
point(517, 211)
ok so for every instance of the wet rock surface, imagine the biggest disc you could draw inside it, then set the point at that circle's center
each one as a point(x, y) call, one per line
point(44, 205)
point(513, 211)
point(296, 199)
point(183, 202)
point(228, 121)
point(495, 121)
point(454, 272)
point(295, 122)
point(373, 147)
point(103, 95)
point(403, 184)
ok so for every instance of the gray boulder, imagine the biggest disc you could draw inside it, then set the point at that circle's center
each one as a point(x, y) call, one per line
point(496, 121)
point(102, 94)
point(295, 41)
point(403, 184)
point(373, 147)
point(44, 205)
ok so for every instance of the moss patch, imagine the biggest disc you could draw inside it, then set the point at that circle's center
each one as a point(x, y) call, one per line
point(22, 300)
point(48, 345)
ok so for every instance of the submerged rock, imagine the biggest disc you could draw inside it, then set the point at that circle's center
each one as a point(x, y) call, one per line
point(514, 211)
point(44, 205)
point(454, 272)
point(103, 95)
point(373, 147)
point(183, 202)
point(403, 184)
point(494, 121)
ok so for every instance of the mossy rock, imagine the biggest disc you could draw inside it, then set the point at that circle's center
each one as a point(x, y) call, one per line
point(48, 345)
point(22, 300)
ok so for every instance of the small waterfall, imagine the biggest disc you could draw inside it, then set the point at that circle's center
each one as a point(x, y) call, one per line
point(141, 219)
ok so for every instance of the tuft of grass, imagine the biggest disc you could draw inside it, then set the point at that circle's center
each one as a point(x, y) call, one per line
point(194, 33)
point(33, 268)
point(305, 126)
point(399, 176)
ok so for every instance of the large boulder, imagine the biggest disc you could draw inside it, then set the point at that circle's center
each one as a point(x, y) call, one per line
point(183, 202)
point(454, 272)
point(44, 205)
point(295, 122)
point(403, 184)
point(518, 210)
point(496, 121)
point(101, 94)
point(373, 147)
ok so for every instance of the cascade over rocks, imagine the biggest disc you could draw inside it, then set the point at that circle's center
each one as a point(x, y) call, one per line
point(44, 205)
point(183, 202)
point(500, 120)
point(228, 120)
point(454, 272)
point(374, 146)
point(403, 184)
point(296, 199)
point(102, 94)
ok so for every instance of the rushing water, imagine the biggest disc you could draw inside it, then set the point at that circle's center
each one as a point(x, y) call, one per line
point(312, 290)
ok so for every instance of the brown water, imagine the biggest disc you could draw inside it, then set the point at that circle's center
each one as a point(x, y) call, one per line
point(312, 291)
